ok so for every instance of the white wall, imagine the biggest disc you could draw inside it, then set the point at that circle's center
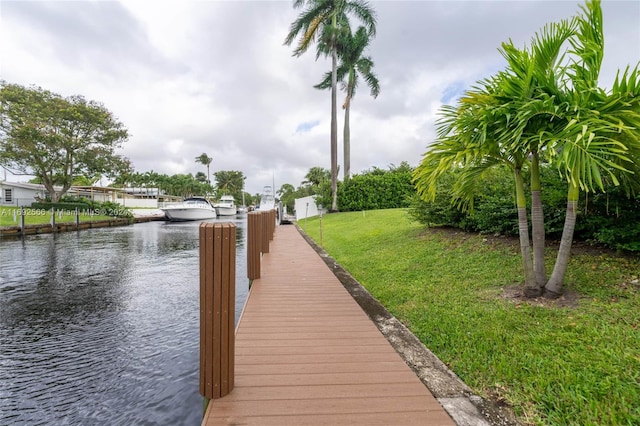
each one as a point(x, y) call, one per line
point(19, 196)
point(305, 207)
point(139, 202)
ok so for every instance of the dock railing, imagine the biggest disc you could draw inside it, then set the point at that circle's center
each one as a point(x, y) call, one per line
point(261, 226)
point(217, 308)
point(217, 295)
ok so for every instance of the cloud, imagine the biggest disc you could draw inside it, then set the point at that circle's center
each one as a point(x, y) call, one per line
point(187, 77)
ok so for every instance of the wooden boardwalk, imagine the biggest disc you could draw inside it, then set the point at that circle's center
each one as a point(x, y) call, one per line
point(306, 354)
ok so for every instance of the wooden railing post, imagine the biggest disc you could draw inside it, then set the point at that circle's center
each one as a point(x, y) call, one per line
point(273, 224)
point(266, 231)
point(254, 244)
point(217, 308)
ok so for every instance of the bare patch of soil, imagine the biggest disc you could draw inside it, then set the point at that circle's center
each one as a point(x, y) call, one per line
point(515, 293)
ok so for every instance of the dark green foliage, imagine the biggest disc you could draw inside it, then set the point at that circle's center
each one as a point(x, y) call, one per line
point(611, 218)
point(377, 189)
point(493, 210)
point(440, 211)
point(61, 205)
point(84, 205)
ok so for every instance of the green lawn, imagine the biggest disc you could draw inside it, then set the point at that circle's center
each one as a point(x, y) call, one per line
point(554, 364)
point(40, 216)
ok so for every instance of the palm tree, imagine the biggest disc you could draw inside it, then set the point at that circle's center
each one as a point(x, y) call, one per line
point(602, 137)
point(488, 128)
point(352, 65)
point(206, 160)
point(230, 182)
point(315, 176)
point(539, 110)
point(319, 20)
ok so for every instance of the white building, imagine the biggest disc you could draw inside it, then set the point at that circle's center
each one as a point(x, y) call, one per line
point(305, 207)
point(20, 194)
point(24, 194)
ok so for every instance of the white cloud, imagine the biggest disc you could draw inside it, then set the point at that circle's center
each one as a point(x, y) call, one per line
point(187, 77)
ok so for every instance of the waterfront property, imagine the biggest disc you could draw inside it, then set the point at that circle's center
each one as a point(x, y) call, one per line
point(20, 194)
point(306, 353)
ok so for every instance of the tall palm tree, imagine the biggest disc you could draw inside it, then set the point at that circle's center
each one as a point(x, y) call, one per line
point(352, 65)
point(205, 160)
point(319, 20)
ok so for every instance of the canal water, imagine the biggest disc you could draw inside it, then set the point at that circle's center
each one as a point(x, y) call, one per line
point(101, 327)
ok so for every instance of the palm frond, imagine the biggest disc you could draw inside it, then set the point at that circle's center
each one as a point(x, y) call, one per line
point(588, 47)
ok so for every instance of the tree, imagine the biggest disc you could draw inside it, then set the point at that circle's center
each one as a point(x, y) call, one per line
point(602, 137)
point(287, 195)
point(352, 65)
point(56, 138)
point(319, 20)
point(230, 182)
point(540, 109)
point(205, 160)
point(316, 176)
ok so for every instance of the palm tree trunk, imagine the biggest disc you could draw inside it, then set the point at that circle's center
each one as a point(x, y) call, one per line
point(347, 142)
point(537, 223)
point(553, 289)
point(531, 288)
point(334, 125)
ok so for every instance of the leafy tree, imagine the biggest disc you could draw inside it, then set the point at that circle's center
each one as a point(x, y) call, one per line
point(56, 138)
point(287, 194)
point(205, 160)
point(200, 176)
point(352, 65)
point(324, 19)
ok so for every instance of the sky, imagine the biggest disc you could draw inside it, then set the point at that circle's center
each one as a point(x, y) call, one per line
point(190, 77)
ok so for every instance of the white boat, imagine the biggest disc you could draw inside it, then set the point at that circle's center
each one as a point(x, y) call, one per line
point(243, 208)
point(193, 208)
point(267, 200)
point(226, 206)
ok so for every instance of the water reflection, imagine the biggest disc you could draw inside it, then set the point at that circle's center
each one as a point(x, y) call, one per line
point(101, 326)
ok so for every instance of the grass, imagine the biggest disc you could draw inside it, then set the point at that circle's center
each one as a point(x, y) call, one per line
point(41, 216)
point(553, 364)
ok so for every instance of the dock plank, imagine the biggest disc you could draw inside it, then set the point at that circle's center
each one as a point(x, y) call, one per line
point(306, 354)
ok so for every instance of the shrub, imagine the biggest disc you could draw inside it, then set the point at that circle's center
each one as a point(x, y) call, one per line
point(609, 218)
point(377, 189)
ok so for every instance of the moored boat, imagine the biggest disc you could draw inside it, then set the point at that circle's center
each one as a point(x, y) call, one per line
point(193, 208)
point(267, 200)
point(226, 206)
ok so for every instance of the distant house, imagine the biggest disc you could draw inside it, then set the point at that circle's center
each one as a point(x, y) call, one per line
point(20, 194)
point(23, 194)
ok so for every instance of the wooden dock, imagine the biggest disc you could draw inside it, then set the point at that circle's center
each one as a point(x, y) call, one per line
point(306, 354)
